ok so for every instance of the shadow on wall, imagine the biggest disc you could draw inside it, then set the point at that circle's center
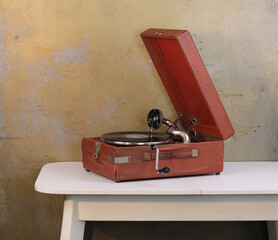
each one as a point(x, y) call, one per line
point(176, 231)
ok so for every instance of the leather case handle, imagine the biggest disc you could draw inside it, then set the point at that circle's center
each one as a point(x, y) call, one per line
point(166, 154)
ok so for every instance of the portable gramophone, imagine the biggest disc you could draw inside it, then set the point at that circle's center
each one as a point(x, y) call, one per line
point(196, 149)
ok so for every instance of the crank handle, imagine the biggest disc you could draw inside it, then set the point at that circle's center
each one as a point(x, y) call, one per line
point(164, 170)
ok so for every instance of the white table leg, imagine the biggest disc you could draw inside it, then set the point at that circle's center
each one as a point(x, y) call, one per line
point(272, 227)
point(72, 227)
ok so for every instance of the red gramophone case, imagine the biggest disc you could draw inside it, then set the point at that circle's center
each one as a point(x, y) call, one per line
point(200, 112)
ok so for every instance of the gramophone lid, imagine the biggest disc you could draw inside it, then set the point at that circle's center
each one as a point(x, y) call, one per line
point(187, 82)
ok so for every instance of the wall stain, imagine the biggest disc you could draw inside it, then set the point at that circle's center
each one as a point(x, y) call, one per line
point(103, 113)
point(3, 202)
point(272, 6)
point(4, 64)
point(38, 121)
point(74, 54)
point(9, 138)
point(2, 115)
point(45, 72)
point(227, 95)
point(42, 73)
point(4, 70)
point(263, 95)
point(246, 129)
point(22, 34)
point(46, 158)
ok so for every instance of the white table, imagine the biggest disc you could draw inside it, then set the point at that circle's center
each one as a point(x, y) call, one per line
point(244, 191)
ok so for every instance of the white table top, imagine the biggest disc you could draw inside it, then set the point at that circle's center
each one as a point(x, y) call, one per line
point(70, 178)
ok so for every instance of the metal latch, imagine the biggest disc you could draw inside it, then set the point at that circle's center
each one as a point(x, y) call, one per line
point(96, 150)
point(119, 159)
point(195, 153)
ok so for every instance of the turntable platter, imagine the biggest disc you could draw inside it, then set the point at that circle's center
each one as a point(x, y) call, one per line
point(135, 138)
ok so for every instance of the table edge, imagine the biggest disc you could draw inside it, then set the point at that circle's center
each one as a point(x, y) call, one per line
point(193, 192)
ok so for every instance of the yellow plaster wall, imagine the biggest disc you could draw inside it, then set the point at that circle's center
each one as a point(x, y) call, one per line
point(72, 69)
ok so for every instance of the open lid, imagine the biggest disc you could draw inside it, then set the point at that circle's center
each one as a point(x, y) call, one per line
point(187, 82)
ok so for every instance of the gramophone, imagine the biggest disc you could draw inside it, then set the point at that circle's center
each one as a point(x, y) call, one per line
point(195, 148)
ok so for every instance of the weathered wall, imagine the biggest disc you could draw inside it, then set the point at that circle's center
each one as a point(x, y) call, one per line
point(71, 69)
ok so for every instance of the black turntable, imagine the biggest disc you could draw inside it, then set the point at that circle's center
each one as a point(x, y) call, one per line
point(136, 138)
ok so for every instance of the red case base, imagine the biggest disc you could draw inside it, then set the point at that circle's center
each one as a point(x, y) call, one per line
point(182, 159)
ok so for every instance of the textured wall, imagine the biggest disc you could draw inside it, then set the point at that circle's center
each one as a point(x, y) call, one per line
point(71, 69)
